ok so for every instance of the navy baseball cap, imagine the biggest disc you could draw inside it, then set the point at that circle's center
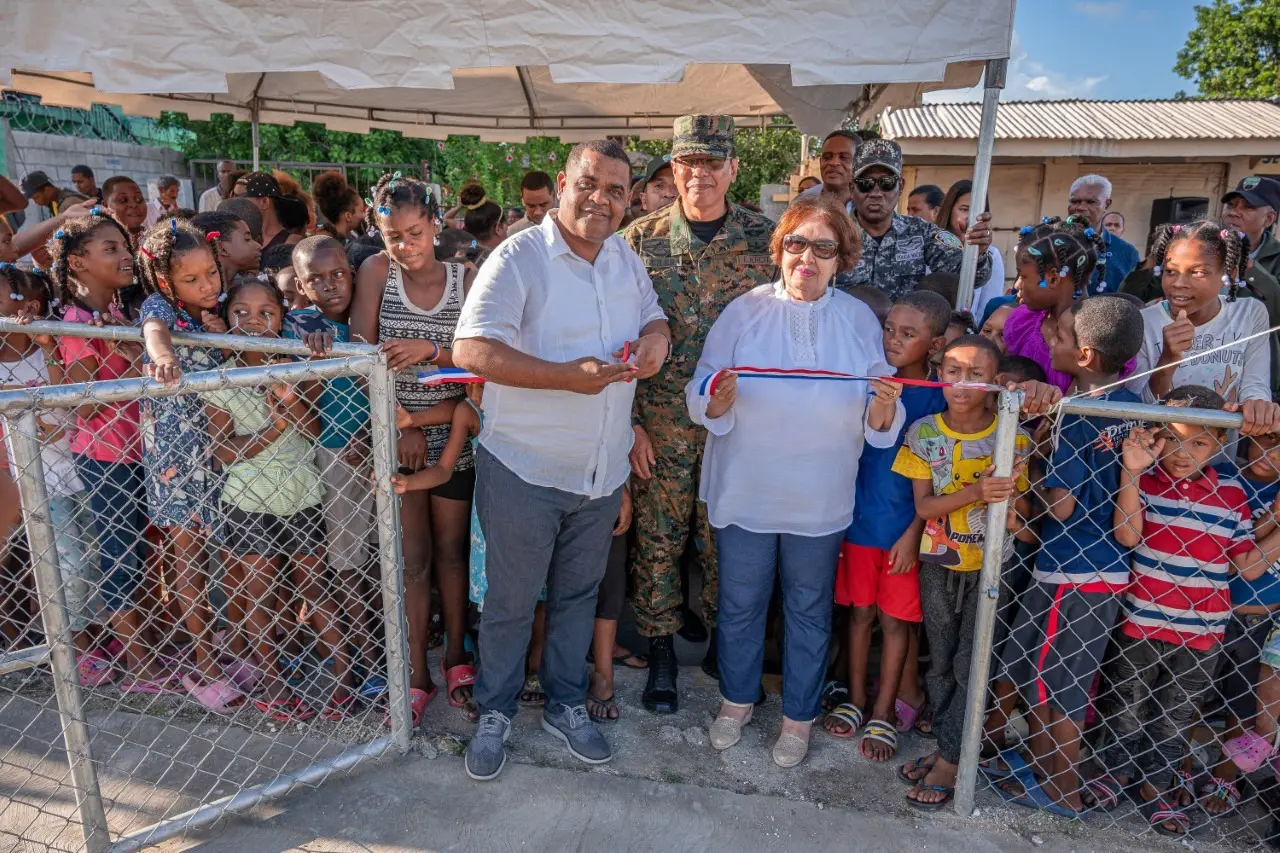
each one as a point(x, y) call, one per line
point(1257, 191)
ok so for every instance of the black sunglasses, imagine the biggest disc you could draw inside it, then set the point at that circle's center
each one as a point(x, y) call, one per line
point(794, 244)
point(887, 183)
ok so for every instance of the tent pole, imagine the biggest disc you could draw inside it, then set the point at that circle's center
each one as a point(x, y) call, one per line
point(993, 77)
point(253, 118)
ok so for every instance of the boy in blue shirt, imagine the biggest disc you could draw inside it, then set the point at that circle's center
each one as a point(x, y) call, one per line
point(1248, 683)
point(1068, 612)
point(879, 562)
point(342, 452)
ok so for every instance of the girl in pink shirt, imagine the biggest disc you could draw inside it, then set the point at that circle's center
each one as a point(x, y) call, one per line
point(92, 264)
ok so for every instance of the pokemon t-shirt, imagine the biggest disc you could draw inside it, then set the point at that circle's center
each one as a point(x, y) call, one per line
point(952, 461)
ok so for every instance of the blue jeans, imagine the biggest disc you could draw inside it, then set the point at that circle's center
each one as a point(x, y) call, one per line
point(118, 495)
point(538, 537)
point(749, 563)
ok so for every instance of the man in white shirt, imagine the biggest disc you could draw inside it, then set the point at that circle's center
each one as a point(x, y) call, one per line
point(212, 197)
point(549, 324)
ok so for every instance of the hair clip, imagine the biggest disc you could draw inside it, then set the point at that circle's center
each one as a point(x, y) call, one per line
point(1064, 271)
point(1090, 233)
point(96, 210)
point(5, 265)
point(15, 296)
point(1175, 229)
point(173, 223)
point(368, 202)
point(1226, 234)
point(1156, 270)
point(1026, 230)
point(395, 176)
point(222, 297)
point(212, 235)
point(55, 302)
point(97, 315)
point(473, 245)
point(60, 234)
point(384, 211)
point(1032, 250)
point(1043, 284)
point(1046, 220)
point(145, 251)
point(1226, 279)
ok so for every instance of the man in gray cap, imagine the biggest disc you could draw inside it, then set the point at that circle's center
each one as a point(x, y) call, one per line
point(1252, 207)
point(37, 187)
point(702, 252)
point(898, 250)
point(658, 188)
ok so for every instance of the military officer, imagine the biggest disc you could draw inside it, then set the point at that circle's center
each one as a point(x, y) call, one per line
point(898, 250)
point(702, 252)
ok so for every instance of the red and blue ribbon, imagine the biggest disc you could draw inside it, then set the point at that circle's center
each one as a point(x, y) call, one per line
point(447, 376)
point(709, 384)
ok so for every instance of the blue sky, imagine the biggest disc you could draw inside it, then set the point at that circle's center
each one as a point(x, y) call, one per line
point(1108, 49)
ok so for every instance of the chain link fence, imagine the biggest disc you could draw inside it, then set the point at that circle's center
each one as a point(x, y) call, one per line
point(185, 641)
point(1125, 660)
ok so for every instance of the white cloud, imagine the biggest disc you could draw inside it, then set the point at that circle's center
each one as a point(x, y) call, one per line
point(1109, 10)
point(1027, 80)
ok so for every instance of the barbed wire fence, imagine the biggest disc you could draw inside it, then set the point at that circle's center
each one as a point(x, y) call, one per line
point(145, 692)
point(1145, 709)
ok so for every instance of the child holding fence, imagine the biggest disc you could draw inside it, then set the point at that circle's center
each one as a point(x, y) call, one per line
point(32, 361)
point(1066, 616)
point(342, 451)
point(178, 268)
point(92, 263)
point(271, 505)
point(1190, 529)
point(949, 459)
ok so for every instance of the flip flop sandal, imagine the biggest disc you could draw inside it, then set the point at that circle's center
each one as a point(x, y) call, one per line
point(291, 710)
point(916, 765)
point(1033, 796)
point(925, 717)
point(462, 675)
point(1222, 789)
point(337, 710)
point(906, 715)
point(609, 704)
point(1158, 812)
point(373, 687)
point(168, 686)
point(1014, 762)
point(932, 807)
point(1249, 751)
point(834, 694)
point(531, 695)
point(622, 661)
point(849, 714)
point(217, 696)
point(1104, 792)
point(880, 732)
point(244, 674)
point(93, 669)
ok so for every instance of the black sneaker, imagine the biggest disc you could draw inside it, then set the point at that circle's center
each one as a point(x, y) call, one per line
point(660, 695)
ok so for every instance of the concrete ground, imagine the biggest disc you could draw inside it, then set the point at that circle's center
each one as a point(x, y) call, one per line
point(666, 790)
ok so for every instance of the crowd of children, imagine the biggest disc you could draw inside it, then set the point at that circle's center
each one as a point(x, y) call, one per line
point(1137, 588)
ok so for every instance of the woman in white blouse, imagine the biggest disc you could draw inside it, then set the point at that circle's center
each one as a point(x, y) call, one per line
point(781, 461)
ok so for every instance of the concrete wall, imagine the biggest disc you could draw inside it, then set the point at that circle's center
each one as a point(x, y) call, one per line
point(56, 155)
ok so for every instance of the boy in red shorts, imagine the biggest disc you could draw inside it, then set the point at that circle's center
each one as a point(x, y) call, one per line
point(878, 572)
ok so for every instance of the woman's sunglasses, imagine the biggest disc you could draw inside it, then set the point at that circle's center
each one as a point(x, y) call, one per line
point(794, 244)
point(887, 183)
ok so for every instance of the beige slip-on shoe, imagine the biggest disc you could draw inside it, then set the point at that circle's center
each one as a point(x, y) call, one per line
point(726, 731)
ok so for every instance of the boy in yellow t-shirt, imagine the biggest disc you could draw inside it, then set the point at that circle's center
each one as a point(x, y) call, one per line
point(949, 458)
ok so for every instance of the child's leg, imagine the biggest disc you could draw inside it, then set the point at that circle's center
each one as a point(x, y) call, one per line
point(349, 521)
point(72, 519)
point(1064, 784)
point(943, 626)
point(895, 634)
point(534, 660)
point(451, 533)
point(609, 604)
point(909, 689)
point(1005, 698)
point(255, 580)
point(415, 521)
point(1188, 675)
point(1129, 672)
point(188, 586)
point(861, 621)
point(319, 608)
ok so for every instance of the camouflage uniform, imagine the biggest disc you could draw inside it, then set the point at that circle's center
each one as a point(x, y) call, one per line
point(909, 250)
point(694, 282)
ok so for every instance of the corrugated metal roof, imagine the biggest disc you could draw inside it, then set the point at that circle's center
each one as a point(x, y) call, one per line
point(1101, 120)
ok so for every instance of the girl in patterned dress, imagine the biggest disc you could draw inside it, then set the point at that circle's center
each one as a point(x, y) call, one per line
point(410, 302)
point(178, 268)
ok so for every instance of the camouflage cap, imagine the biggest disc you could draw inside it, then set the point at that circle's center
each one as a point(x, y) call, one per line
point(878, 152)
point(708, 135)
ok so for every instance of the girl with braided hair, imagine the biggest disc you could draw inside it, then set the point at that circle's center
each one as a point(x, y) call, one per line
point(410, 302)
point(1056, 260)
point(179, 271)
point(92, 263)
point(1200, 266)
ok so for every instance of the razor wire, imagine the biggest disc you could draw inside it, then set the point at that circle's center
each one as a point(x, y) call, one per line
point(185, 642)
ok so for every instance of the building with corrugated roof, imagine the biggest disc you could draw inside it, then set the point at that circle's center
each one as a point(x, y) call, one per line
point(1163, 158)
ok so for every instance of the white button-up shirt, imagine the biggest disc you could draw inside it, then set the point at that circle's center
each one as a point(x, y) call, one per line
point(535, 295)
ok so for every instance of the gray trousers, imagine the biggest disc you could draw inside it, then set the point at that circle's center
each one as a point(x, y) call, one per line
point(536, 536)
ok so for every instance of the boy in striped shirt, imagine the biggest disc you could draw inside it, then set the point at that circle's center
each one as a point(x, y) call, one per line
point(1191, 529)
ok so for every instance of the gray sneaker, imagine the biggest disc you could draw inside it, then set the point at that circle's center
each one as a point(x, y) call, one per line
point(487, 753)
point(574, 727)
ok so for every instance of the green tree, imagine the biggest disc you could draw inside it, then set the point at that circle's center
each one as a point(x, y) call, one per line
point(1234, 50)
